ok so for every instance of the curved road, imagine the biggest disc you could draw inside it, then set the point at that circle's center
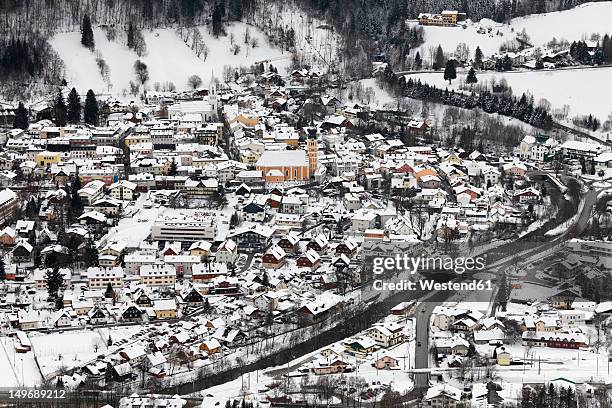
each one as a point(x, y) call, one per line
point(514, 250)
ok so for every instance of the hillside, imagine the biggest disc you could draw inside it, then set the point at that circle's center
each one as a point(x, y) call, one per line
point(168, 57)
point(580, 89)
point(573, 25)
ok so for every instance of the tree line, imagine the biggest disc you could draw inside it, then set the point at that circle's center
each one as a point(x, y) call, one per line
point(505, 104)
point(65, 111)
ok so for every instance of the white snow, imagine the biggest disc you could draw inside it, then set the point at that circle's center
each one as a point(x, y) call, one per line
point(581, 89)
point(574, 24)
point(168, 58)
point(69, 349)
point(18, 369)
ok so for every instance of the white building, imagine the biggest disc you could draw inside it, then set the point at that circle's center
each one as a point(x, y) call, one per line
point(184, 227)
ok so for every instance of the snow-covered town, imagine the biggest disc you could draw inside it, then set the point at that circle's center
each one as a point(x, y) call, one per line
point(258, 204)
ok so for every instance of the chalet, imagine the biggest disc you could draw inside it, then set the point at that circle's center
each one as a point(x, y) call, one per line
point(404, 309)
point(92, 218)
point(92, 191)
point(453, 345)
point(527, 195)
point(8, 236)
point(243, 190)
point(310, 259)
point(210, 346)
point(142, 298)
point(123, 190)
point(22, 252)
point(293, 205)
point(227, 252)
point(129, 312)
point(319, 243)
point(563, 299)
point(253, 212)
point(387, 334)
point(62, 319)
point(289, 243)
point(386, 362)
point(336, 122)
point(417, 127)
point(200, 248)
point(515, 169)
point(252, 238)
point(107, 206)
point(97, 315)
point(442, 395)
point(360, 345)
point(134, 354)
point(207, 272)
point(191, 295)
point(348, 247)
point(326, 366)
point(274, 258)
point(316, 310)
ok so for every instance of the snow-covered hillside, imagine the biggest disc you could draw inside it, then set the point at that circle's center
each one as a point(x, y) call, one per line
point(581, 89)
point(168, 58)
point(574, 24)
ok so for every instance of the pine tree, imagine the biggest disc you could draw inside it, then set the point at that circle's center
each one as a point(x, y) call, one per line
point(21, 117)
point(506, 63)
point(76, 204)
point(74, 107)
point(478, 58)
point(599, 57)
point(606, 46)
point(173, 170)
point(90, 255)
point(471, 77)
point(55, 281)
point(450, 72)
point(60, 109)
point(109, 293)
point(142, 71)
point(130, 36)
point(418, 61)
point(217, 24)
point(87, 36)
point(91, 109)
point(235, 9)
point(438, 59)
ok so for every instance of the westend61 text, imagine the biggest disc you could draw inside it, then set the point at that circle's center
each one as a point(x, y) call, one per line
point(476, 285)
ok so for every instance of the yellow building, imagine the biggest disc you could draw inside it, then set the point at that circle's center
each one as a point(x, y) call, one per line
point(137, 138)
point(165, 309)
point(45, 159)
point(504, 358)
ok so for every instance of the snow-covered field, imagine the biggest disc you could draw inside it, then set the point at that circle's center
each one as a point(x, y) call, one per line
point(17, 369)
point(574, 24)
point(581, 89)
point(168, 58)
point(57, 350)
